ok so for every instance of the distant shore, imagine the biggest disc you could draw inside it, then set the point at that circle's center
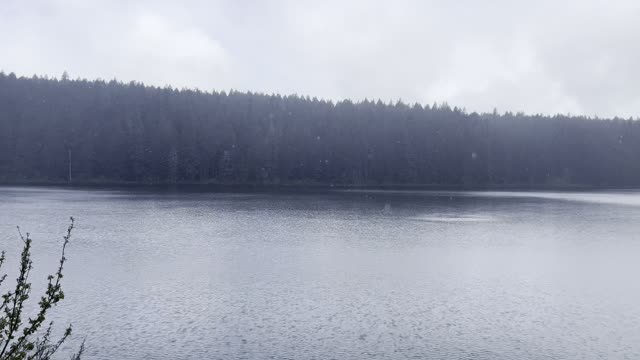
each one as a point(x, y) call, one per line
point(306, 187)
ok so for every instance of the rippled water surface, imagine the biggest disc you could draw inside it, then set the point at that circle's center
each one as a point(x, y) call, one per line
point(342, 275)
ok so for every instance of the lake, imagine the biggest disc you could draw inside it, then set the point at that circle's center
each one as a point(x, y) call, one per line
point(338, 275)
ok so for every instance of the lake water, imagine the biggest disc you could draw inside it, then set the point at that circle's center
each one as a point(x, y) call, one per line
point(339, 275)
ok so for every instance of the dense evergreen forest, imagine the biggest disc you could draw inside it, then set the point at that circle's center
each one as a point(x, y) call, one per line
point(108, 131)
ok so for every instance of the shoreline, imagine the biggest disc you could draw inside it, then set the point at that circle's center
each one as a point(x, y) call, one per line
point(302, 188)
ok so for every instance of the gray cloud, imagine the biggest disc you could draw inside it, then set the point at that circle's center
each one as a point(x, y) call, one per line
point(577, 56)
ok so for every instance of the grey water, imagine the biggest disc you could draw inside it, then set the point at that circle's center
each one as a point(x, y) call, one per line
point(338, 275)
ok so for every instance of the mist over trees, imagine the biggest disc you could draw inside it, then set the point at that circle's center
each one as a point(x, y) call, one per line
point(108, 131)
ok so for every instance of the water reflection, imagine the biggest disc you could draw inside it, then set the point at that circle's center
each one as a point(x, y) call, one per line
point(341, 275)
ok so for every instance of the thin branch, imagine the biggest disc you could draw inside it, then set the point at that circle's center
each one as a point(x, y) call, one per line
point(13, 304)
point(19, 294)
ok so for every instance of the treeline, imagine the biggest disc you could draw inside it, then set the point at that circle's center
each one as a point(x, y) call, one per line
point(109, 131)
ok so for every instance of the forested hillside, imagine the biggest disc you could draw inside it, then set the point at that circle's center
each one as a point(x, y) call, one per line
point(114, 132)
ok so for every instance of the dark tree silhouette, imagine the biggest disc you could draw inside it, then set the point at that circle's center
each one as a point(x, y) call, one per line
point(116, 132)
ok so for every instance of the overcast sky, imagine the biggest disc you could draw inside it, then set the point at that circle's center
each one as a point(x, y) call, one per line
point(579, 56)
